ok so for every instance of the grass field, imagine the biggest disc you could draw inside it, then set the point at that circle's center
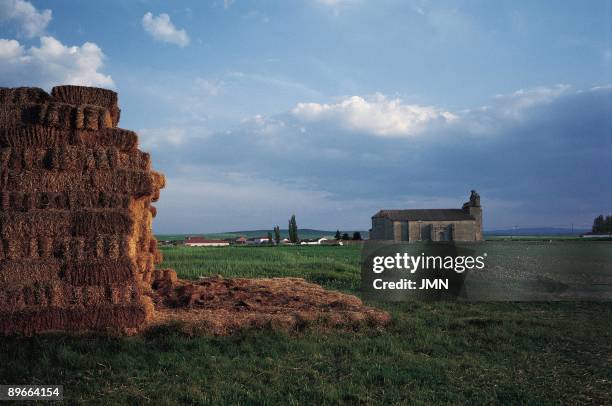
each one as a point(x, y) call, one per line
point(465, 353)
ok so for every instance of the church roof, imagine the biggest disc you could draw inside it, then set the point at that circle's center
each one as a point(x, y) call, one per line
point(425, 215)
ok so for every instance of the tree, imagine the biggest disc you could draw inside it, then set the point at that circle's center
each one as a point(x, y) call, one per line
point(599, 224)
point(357, 236)
point(608, 224)
point(277, 236)
point(293, 230)
point(338, 235)
point(345, 237)
point(269, 238)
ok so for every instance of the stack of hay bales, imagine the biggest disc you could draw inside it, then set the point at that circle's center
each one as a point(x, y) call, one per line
point(76, 251)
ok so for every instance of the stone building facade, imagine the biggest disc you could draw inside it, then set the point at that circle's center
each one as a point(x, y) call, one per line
point(412, 225)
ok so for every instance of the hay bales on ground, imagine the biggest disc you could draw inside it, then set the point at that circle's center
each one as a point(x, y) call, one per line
point(76, 248)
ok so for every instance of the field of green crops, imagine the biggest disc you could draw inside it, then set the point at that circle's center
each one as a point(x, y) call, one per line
point(432, 353)
point(332, 266)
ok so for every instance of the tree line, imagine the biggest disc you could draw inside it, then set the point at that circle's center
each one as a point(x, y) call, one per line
point(345, 236)
point(294, 237)
point(602, 224)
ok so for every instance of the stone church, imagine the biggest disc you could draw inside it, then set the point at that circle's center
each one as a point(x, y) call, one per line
point(412, 225)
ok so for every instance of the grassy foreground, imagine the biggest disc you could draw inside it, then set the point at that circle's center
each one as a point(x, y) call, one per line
point(534, 353)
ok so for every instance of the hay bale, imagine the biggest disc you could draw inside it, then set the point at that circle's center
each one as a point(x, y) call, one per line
point(29, 322)
point(85, 95)
point(42, 223)
point(56, 115)
point(37, 135)
point(101, 222)
point(20, 272)
point(100, 272)
point(124, 140)
point(89, 95)
point(22, 95)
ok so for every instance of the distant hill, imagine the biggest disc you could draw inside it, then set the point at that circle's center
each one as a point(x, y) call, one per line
point(544, 231)
point(303, 233)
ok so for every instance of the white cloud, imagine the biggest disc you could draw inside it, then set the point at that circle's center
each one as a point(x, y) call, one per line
point(162, 29)
point(209, 87)
point(377, 115)
point(52, 63)
point(227, 3)
point(273, 81)
point(31, 21)
point(514, 104)
point(152, 138)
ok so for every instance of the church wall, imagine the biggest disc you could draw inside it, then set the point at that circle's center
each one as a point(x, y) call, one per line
point(382, 229)
point(461, 230)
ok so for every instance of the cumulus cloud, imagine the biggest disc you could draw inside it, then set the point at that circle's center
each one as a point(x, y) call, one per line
point(31, 22)
point(51, 63)
point(514, 104)
point(377, 115)
point(162, 29)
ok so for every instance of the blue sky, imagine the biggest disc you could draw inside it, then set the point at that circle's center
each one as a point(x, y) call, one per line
point(333, 109)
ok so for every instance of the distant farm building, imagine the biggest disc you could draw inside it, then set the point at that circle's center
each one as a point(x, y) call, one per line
point(332, 242)
point(258, 241)
point(203, 242)
point(240, 240)
point(315, 241)
point(412, 225)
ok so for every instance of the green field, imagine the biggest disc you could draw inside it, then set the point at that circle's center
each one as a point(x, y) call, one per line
point(465, 353)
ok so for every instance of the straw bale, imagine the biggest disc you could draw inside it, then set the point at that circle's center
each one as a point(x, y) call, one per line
point(12, 115)
point(84, 248)
point(88, 95)
point(26, 247)
point(100, 272)
point(36, 135)
point(57, 294)
point(22, 95)
point(14, 201)
point(124, 140)
point(55, 114)
point(45, 247)
point(132, 182)
point(158, 179)
point(85, 95)
point(33, 136)
point(14, 249)
point(101, 221)
point(55, 223)
point(43, 223)
point(89, 318)
point(24, 272)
